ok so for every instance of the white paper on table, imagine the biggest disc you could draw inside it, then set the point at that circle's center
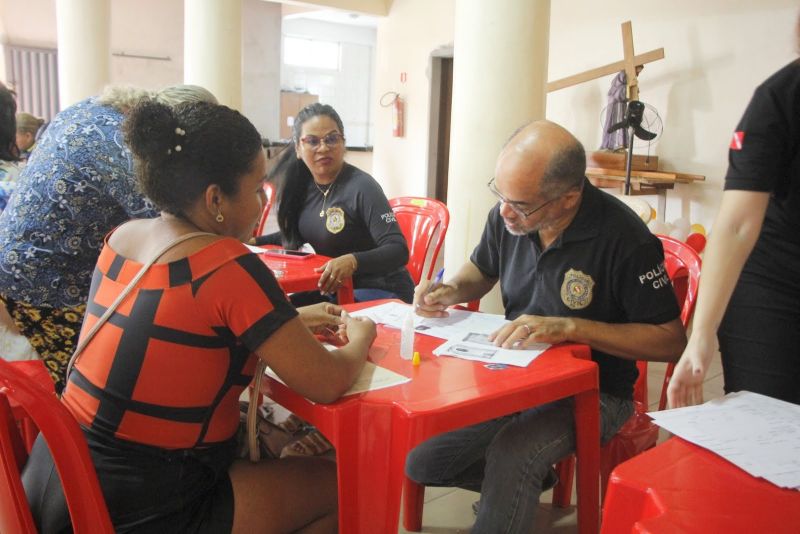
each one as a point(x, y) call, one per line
point(457, 326)
point(757, 433)
point(488, 353)
point(389, 314)
point(466, 333)
point(372, 377)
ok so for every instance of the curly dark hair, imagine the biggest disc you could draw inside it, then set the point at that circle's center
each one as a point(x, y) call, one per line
point(8, 125)
point(180, 151)
point(293, 176)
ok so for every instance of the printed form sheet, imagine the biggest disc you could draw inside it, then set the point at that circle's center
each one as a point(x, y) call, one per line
point(466, 333)
point(757, 433)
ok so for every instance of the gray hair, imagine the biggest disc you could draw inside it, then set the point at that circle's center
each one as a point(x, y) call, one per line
point(125, 97)
point(566, 170)
point(179, 94)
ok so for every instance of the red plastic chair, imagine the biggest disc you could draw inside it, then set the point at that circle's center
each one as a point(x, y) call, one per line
point(269, 190)
point(36, 371)
point(639, 433)
point(424, 223)
point(85, 500)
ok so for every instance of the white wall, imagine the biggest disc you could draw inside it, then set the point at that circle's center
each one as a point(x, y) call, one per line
point(155, 28)
point(717, 52)
point(348, 90)
point(162, 22)
point(406, 39)
point(261, 58)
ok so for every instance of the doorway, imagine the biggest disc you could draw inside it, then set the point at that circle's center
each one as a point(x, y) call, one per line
point(441, 106)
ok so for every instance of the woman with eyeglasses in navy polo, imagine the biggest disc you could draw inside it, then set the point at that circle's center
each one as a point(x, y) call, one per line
point(339, 210)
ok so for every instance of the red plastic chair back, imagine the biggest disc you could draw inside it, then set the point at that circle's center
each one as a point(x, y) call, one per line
point(269, 190)
point(424, 223)
point(67, 444)
point(36, 371)
point(639, 433)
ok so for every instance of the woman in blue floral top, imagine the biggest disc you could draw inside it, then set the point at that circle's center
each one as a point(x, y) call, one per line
point(79, 187)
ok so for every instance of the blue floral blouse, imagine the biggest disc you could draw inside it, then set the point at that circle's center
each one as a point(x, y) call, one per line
point(9, 172)
point(76, 187)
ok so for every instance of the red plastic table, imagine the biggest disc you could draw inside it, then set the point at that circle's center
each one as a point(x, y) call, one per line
point(680, 487)
point(374, 431)
point(298, 275)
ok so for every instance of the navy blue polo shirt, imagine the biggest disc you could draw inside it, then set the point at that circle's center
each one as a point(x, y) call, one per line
point(606, 266)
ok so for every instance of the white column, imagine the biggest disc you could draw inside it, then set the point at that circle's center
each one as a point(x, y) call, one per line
point(499, 77)
point(212, 48)
point(84, 48)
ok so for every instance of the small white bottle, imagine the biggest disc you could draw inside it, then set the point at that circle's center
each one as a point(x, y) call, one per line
point(407, 337)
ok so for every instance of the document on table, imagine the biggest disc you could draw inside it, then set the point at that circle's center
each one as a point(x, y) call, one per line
point(757, 433)
point(466, 333)
point(372, 377)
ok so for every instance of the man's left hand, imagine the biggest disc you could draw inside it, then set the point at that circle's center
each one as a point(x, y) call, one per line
point(527, 330)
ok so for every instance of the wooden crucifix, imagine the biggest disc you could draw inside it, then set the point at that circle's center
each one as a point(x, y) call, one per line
point(628, 64)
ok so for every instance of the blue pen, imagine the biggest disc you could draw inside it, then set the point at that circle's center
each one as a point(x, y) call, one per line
point(437, 280)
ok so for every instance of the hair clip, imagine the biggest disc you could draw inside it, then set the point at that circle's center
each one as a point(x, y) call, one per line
point(177, 148)
point(180, 131)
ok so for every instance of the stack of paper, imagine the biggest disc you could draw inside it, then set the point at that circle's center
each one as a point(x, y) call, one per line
point(466, 333)
point(757, 433)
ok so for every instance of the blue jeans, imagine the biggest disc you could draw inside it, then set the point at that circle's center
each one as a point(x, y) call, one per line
point(507, 458)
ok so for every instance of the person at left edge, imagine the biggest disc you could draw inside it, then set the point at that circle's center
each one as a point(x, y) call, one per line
point(9, 152)
point(339, 210)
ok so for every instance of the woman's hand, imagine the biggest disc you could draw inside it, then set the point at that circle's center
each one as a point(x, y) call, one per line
point(322, 318)
point(359, 330)
point(526, 330)
point(686, 385)
point(335, 272)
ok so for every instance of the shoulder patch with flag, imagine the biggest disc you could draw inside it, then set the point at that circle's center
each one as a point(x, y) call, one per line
point(737, 140)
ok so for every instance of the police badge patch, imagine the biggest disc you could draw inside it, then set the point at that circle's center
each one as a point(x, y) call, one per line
point(334, 221)
point(576, 291)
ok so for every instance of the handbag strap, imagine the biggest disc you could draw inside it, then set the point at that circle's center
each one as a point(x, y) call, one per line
point(112, 308)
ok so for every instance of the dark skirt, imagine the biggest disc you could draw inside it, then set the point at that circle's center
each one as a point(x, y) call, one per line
point(759, 339)
point(147, 489)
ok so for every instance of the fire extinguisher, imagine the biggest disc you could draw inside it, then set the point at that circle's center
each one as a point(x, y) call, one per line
point(398, 112)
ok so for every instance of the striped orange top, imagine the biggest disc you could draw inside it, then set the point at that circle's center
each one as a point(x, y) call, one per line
point(168, 366)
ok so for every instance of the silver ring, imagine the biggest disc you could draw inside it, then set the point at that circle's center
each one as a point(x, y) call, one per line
point(527, 328)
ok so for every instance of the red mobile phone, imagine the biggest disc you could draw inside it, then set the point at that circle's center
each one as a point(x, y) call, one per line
point(288, 254)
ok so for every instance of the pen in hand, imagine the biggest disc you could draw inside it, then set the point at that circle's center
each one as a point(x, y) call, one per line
point(437, 281)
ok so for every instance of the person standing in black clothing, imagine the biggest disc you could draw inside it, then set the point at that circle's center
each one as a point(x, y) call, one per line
point(339, 210)
point(747, 305)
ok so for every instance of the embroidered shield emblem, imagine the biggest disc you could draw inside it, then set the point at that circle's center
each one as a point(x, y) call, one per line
point(576, 291)
point(334, 221)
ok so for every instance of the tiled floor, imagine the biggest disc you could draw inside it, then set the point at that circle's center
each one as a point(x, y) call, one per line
point(449, 511)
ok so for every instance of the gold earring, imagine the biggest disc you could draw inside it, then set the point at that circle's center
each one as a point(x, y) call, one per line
point(219, 217)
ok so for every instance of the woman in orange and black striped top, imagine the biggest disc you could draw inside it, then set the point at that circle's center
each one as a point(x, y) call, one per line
point(156, 390)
